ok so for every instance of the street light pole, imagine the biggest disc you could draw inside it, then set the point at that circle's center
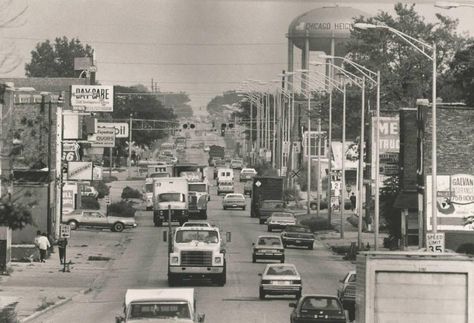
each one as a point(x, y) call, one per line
point(343, 152)
point(361, 166)
point(308, 144)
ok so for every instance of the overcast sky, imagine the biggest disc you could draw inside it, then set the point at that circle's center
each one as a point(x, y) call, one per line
point(202, 47)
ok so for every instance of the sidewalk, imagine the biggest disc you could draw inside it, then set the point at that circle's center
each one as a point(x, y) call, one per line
point(39, 286)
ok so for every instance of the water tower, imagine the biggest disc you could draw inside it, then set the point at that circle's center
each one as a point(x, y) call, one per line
point(325, 29)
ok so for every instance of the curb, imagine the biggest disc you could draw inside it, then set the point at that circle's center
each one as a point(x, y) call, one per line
point(52, 307)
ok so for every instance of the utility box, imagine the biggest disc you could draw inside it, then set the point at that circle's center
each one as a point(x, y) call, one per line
point(413, 287)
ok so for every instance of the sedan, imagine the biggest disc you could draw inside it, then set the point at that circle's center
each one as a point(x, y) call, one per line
point(317, 309)
point(280, 279)
point(297, 235)
point(233, 201)
point(248, 188)
point(268, 247)
point(279, 220)
point(247, 174)
point(95, 218)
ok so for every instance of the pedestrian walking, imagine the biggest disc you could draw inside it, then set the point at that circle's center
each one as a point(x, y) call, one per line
point(353, 201)
point(62, 243)
point(43, 245)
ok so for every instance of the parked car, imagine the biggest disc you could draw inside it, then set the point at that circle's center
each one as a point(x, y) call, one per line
point(247, 174)
point(280, 279)
point(346, 292)
point(236, 164)
point(248, 188)
point(234, 200)
point(87, 190)
point(268, 247)
point(197, 224)
point(279, 220)
point(95, 218)
point(317, 309)
point(268, 207)
point(297, 235)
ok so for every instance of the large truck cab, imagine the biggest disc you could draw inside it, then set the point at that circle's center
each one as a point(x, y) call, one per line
point(198, 198)
point(197, 252)
point(170, 195)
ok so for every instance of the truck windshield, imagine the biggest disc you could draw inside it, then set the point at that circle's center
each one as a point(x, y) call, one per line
point(272, 204)
point(197, 187)
point(171, 197)
point(159, 310)
point(159, 175)
point(185, 236)
point(149, 188)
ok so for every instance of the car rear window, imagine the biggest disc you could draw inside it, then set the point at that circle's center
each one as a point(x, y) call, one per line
point(298, 229)
point(320, 303)
point(269, 241)
point(281, 270)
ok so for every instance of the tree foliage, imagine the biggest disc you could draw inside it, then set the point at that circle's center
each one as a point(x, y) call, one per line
point(56, 59)
point(217, 106)
point(462, 74)
point(406, 73)
point(178, 103)
point(15, 216)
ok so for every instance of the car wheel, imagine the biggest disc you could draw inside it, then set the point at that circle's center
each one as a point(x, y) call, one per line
point(261, 293)
point(73, 224)
point(282, 260)
point(310, 247)
point(254, 259)
point(118, 227)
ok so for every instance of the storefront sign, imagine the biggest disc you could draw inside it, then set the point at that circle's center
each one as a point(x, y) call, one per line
point(79, 171)
point(92, 98)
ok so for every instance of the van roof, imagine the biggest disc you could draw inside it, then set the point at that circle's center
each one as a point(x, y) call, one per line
point(162, 294)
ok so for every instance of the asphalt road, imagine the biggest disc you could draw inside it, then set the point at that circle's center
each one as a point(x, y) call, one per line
point(143, 264)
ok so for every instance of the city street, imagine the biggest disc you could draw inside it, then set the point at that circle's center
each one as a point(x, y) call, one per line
point(143, 264)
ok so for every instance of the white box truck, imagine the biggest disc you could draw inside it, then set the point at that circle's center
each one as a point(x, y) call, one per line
point(414, 287)
point(170, 193)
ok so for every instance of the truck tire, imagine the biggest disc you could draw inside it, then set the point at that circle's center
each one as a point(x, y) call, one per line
point(261, 221)
point(172, 280)
point(222, 278)
point(282, 260)
point(310, 247)
point(298, 295)
point(224, 208)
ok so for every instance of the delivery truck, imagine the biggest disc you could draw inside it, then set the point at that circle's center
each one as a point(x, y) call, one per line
point(414, 287)
point(265, 188)
point(170, 194)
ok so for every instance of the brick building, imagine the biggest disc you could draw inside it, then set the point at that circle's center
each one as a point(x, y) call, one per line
point(455, 153)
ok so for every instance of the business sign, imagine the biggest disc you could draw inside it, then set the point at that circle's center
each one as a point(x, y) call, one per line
point(79, 171)
point(65, 231)
point(389, 145)
point(435, 242)
point(70, 151)
point(104, 137)
point(121, 128)
point(93, 98)
point(454, 202)
point(97, 173)
point(350, 155)
point(68, 199)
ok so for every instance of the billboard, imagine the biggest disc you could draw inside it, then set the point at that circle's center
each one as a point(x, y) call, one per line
point(351, 155)
point(121, 128)
point(389, 147)
point(79, 171)
point(454, 202)
point(93, 98)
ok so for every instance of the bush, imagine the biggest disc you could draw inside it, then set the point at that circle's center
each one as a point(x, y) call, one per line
point(121, 209)
point(101, 188)
point(108, 179)
point(316, 223)
point(88, 202)
point(130, 193)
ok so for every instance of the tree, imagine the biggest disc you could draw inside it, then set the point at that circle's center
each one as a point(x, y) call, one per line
point(462, 74)
point(15, 216)
point(406, 73)
point(179, 103)
point(216, 106)
point(56, 59)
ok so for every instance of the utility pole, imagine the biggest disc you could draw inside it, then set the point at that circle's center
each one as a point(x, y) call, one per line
point(129, 149)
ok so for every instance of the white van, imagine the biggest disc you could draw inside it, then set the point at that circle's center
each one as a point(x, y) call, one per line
point(225, 174)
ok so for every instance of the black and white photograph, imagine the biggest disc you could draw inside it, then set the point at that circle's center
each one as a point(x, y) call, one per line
point(236, 161)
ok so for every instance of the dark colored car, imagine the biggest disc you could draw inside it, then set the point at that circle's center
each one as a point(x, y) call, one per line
point(297, 235)
point(268, 207)
point(317, 309)
point(268, 247)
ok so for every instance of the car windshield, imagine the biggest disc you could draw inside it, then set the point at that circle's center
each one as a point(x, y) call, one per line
point(272, 204)
point(250, 171)
point(319, 303)
point(298, 229)
point(159, 310)
point(197, 187)
point(269, 241)
point(281, 270)
point(149, 188)
point(171, 197)
point(235, 197)
point(159, 175)
point(226, 183)
point(195, 224)
point(185, 236)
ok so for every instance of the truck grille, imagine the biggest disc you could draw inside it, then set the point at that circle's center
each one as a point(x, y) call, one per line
point(192, 205)
point(196, 258)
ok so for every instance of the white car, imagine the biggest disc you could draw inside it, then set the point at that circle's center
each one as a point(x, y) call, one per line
point(279, 220)
point(233, 200)
point(280, 279)
point(95, 218)
point(247, 174)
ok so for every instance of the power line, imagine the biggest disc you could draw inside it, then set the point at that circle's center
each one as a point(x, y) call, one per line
point(191, 64)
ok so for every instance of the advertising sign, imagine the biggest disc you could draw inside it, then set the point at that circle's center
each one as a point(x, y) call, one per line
point(79, 171)
point(93, 98)
point(104, 137)
point(389, 147)
point(351, 155)
point(70, 151)
point(68, 199)
point(121, 128)
point(454, 202)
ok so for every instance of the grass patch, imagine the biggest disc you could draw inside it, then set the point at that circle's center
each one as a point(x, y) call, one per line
point(45, 303)
point(315, 223)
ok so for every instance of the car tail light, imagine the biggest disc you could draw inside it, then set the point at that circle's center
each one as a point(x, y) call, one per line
point(297, 281)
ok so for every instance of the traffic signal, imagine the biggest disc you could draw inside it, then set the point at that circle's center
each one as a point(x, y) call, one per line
point(231, 125)
point(185, 126)
point(223, 126)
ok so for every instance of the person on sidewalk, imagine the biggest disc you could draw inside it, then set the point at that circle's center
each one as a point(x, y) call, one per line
point(62, 243)
point(43, 245)
point(353, 201)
